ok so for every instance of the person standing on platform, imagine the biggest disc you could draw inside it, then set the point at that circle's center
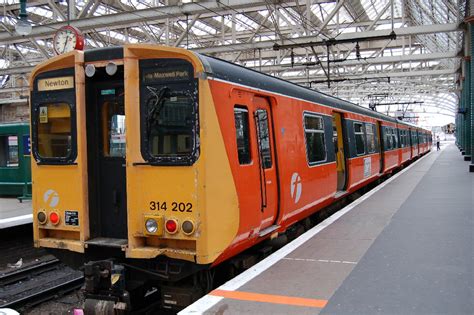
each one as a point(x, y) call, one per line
point(437, 144)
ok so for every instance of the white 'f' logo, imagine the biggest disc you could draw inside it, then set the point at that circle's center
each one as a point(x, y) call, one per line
point(51, 198)
point(296, 187)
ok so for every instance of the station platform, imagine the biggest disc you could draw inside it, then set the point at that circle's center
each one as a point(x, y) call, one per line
point(14, 212)
point(405, 247)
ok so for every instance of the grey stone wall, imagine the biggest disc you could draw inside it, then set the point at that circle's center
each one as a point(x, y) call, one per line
point(14, 113)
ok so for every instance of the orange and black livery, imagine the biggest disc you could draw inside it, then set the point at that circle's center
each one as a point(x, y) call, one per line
point(159, 164)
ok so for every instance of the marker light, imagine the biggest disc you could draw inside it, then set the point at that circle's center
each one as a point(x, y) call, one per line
point(188, 227)
point(171, 226)
point(54, 218)
point(42, 217)
point(151, 225)
point(90, 70)
point(111, 68)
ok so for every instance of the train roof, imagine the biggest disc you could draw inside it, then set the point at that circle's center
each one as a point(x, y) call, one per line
point(224, 70)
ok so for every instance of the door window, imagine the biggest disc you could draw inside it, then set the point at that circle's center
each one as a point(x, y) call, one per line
point(261, 118)
point(369, 129)
point(359, 137)
point(113, 126)
point(241, 117)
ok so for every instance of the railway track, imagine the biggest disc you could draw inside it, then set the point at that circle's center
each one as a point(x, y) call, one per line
point(28, 272)
point(38, 283)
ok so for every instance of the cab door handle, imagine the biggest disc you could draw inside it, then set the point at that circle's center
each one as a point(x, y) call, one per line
point(115, 197)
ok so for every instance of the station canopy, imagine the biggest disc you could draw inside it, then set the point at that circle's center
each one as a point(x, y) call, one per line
point(401, 57)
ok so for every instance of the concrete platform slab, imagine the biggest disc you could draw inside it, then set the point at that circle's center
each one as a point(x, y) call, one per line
point(406, 249)
point(13, 212)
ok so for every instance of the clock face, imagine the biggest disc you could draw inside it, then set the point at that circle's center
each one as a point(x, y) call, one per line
point(67, 39)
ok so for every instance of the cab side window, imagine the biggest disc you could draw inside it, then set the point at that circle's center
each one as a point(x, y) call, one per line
point(54, 131)
point(241, 117)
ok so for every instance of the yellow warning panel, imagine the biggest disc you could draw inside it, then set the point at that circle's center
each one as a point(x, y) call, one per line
point(43, 115)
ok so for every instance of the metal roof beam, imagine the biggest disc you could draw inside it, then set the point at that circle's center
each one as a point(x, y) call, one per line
point(378, 60)
point(421, 73)
point(155, 14)
point(412, 30)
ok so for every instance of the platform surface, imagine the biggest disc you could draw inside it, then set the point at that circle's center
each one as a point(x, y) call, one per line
point(407, 247)
point(13, 212)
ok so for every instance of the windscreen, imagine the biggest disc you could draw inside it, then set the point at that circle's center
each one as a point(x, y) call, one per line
point(168, 96)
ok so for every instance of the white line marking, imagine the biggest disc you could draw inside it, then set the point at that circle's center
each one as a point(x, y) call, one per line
point(14, 221)
point(208, 301)
point(321, 260)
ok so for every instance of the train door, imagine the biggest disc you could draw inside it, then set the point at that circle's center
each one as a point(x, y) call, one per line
point(267, 161)
point(381, 146)
point(107, 178)
point(338, 140)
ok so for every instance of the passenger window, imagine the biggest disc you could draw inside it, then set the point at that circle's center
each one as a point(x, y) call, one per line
point(395, 138)
point(359, 136)
point(369, 130)
point(241, 117)
point(261, 118)
point(8, 151)
point(388, 138)
point(54, 130)
point(314, 134)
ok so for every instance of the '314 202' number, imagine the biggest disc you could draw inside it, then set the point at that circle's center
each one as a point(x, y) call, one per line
point(175, 206)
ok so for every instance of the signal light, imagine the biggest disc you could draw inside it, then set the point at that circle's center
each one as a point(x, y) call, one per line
point(54, 218)
point(188, 227)
point(171, 226)
point(42, 217)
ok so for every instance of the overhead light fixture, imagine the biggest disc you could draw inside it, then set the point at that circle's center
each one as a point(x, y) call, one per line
point(23, 27)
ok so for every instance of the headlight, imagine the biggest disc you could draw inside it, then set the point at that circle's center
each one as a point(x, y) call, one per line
point(111, 68)
point(151, 225)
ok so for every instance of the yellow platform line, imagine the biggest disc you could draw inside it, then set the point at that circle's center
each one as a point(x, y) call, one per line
point(269, 298)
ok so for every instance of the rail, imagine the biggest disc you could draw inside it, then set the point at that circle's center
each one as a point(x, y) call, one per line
point(44, 294)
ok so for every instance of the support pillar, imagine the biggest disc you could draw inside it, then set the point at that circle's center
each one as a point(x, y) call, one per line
point(470, 113)
point(468, 110)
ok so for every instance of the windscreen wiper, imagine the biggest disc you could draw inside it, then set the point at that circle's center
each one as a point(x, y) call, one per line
point(155, 104)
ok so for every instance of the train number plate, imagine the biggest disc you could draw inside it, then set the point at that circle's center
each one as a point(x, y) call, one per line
point(71, 218)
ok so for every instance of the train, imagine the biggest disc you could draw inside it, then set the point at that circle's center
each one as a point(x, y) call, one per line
point(153, 165)
point(15, 171)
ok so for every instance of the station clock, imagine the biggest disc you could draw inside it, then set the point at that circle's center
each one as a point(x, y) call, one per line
point(66, 39)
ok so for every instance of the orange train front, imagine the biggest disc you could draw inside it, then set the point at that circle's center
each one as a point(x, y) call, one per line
point(171, 163)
